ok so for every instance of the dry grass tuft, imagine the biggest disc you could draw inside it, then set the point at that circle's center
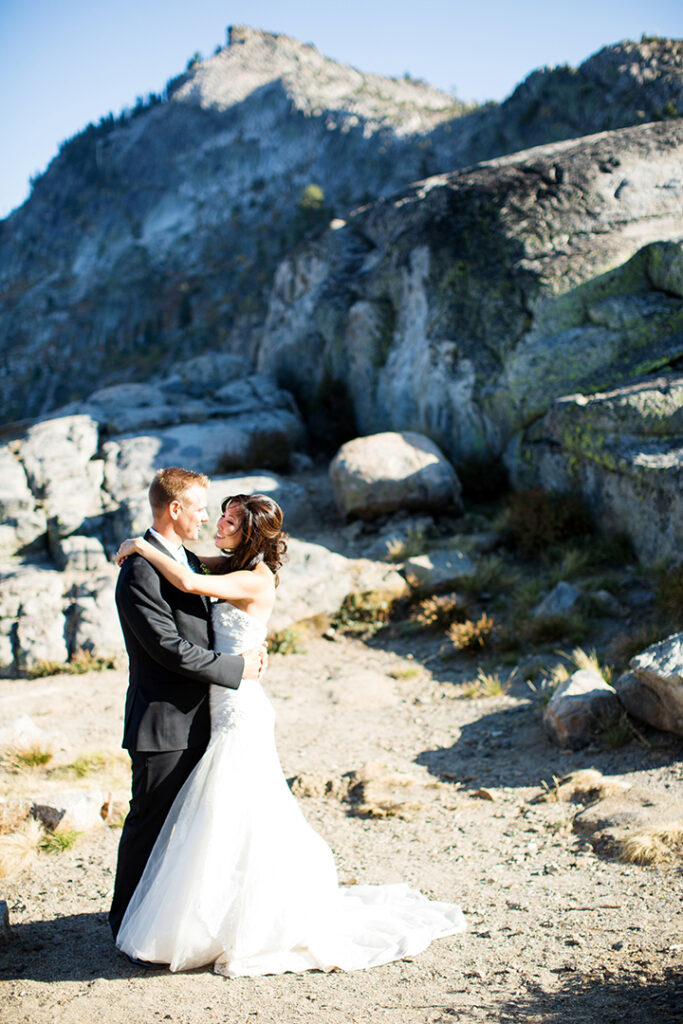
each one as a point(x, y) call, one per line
point(414, 543)
point(487, 684)
point(22, 759)
point(471, 635)
point(585, 786)
point(653, 846)
point(589, 660)
point(19, 849)
point(439, 611)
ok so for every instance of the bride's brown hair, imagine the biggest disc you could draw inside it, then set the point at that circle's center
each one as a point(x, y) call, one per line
point(262, 536)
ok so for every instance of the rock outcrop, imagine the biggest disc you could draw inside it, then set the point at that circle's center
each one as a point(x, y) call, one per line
point(154, 235)
point(81, 477)
point(464, 306)
point(623, 450)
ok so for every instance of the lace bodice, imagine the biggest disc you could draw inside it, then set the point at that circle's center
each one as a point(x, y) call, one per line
point(236, 631)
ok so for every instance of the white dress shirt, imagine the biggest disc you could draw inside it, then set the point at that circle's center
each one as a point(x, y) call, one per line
point(176, 552)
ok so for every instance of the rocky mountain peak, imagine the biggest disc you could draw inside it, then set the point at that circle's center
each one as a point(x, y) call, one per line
point(314, 84)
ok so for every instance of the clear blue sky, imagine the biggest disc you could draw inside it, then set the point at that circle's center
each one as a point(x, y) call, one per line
point(64, 63)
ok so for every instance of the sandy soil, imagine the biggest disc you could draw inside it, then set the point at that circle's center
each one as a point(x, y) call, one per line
point(555, 933)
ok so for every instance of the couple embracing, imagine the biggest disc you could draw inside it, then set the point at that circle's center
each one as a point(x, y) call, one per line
point(217, 864)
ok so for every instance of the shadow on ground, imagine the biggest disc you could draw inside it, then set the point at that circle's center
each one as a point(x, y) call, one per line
point(507, 747)
point(626, 998)
point(74, 948)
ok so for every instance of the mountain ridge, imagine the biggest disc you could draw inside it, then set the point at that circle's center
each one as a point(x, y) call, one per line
point(156, 236)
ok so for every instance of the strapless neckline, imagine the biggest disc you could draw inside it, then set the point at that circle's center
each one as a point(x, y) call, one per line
point(240, 611)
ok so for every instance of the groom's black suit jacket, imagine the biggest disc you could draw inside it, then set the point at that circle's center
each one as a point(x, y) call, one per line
point(168, 638)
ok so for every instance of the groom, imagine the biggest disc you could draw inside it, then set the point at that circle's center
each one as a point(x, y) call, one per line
point(168, 638)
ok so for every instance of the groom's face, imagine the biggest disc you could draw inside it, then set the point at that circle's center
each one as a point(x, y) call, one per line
point(191, 513)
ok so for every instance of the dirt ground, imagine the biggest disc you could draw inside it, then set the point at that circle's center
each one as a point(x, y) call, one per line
point(556, 933)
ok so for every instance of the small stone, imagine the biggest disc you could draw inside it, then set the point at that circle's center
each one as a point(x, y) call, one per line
point(485, 794)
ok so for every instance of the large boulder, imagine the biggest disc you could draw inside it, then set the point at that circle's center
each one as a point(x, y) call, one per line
point(652, 689)
point(386, 472)
point(464, 305)
point(623, 450)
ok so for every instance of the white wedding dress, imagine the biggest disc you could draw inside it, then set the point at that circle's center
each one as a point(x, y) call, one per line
point(239, 879)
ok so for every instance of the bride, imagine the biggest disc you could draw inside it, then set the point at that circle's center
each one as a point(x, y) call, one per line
point(237, 877)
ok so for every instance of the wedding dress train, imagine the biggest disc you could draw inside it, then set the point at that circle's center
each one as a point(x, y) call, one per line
point(239, 879)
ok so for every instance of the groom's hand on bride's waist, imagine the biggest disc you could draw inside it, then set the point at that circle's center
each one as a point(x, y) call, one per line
point(255, 662)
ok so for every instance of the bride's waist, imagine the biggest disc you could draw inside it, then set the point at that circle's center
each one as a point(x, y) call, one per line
point(249, 689)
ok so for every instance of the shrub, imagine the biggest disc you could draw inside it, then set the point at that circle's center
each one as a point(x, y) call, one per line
point(364, 613)
point(55, 842)
point(81, 661)
point(34, 756)
point(470, 635)
point(86, 661)
point(286, 641)
point(46, 668)
point(536, 519)
point(438, 612)
point(491, 576)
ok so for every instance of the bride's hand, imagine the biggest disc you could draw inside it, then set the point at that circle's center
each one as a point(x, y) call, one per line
point(126, 548)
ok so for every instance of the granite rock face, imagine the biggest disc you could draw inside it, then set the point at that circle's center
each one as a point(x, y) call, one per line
point(623, 450)
point(155, 234)
point(79, 479)
point(465, 305)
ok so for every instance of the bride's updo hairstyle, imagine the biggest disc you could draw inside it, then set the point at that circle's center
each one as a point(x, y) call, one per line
point(262, 536)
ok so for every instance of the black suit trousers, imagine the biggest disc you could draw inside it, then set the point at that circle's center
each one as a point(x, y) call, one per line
point(157, 778)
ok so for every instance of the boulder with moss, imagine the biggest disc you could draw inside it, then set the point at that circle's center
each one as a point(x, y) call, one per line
point(622, 449)
point(465, 305)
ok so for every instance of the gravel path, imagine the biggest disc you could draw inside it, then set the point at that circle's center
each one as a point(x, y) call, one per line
point(555, 932)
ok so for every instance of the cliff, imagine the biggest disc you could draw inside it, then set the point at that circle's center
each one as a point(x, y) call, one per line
point(155, 236)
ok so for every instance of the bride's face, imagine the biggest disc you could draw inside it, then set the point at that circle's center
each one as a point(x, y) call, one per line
point(229, 529)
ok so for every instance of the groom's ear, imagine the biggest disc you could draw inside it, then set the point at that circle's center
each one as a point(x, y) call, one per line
point(174, 509)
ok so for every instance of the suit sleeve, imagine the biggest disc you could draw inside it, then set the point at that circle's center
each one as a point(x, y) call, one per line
point(149, 616)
